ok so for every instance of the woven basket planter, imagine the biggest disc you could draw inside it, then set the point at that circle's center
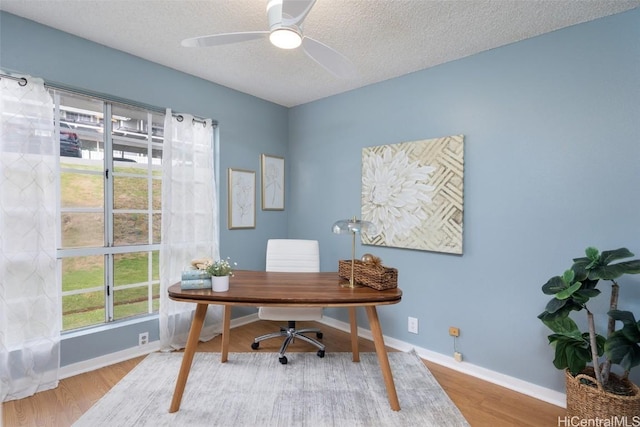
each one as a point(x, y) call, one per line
point(587, 402)
point(373, 276)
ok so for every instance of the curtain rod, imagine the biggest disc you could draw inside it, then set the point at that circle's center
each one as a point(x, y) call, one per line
point(194, 120)
point(22, 81)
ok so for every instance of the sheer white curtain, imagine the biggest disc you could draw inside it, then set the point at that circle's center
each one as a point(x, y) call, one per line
point(30, 301)
point(189, 221)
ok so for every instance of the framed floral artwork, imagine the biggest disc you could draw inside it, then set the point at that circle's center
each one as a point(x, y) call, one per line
point(413, 193)
point(242, 198)
point(272, 183)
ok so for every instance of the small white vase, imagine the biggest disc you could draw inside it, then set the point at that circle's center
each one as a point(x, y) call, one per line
point(219, 283)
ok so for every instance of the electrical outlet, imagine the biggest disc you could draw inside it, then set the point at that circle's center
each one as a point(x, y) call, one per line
point(143, 338)
point(413, 325)
point(458, 356)
point(453, 331)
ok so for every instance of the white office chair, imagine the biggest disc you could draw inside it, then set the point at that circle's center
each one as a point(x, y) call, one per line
point(292, 255)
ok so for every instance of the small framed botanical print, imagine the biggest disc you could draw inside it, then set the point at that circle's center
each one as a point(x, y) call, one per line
point(242, 198)
point(272, 183)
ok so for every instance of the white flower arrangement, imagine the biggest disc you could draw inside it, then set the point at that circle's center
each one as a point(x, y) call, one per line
point(221, 267)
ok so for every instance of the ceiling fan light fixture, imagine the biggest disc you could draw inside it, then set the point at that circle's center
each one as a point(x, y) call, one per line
point(285, 38)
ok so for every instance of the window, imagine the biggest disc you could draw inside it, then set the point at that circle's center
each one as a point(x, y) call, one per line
point(110, 209)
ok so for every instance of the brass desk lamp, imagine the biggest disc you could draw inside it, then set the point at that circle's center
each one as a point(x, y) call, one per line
point(353, 226)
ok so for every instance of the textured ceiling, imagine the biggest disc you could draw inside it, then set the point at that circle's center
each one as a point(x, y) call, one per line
point(384, 39)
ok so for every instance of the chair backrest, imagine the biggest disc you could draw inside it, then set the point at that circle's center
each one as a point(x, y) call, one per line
point(293, 255)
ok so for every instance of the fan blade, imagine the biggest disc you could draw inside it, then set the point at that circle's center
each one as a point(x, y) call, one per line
point(332, 60)
point(227, 38)
point(294, 11)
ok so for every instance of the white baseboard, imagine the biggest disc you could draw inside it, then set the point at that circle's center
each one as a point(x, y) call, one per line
point(537, 392)
point(129, 353)
point(541, 393)
point(106, 360)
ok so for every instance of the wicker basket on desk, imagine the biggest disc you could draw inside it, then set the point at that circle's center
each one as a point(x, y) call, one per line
point(367, 274)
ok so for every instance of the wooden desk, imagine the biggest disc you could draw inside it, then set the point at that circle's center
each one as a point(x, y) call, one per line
point(261, 288)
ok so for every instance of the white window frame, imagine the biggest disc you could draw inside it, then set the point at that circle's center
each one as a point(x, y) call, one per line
point(109, 250)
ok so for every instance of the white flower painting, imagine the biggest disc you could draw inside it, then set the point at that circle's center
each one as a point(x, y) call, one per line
point(412, 192)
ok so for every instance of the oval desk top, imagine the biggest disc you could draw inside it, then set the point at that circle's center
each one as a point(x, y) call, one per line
point(263, 288)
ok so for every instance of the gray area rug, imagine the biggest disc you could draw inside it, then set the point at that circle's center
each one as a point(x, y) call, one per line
point(254, 389)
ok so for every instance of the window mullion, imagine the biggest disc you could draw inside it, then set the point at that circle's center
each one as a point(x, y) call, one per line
point(56, 115)
point(150, 217)
point(108, 212)
point(108, 289)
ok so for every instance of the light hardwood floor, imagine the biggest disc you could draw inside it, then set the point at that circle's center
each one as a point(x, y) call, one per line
point(481, 403)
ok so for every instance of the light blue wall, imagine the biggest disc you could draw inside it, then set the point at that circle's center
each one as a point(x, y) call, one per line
point(552, 152)
point(551, 130)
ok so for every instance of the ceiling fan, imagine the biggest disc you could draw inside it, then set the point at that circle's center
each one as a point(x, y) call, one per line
point(285, 31)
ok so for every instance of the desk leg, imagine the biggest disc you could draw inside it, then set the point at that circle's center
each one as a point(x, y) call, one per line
point(187, 358)
point(226, 323)
point(354, 334)
point(383, 359)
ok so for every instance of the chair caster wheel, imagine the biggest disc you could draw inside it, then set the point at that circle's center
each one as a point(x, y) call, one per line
point(255, 345)
point(283, 360)
point(320, 353)
point(319, 335)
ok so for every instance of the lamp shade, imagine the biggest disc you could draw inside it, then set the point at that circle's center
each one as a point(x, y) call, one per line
point(344, 226)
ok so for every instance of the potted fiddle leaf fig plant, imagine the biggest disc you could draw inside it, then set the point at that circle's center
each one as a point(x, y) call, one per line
point(593, 390)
